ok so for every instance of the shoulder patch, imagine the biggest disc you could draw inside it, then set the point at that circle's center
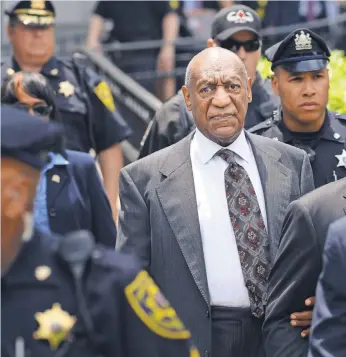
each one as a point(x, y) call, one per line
point(153, 309)
point(104, 93)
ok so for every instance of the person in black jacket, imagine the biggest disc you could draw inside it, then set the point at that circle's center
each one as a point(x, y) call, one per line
point(236, 28)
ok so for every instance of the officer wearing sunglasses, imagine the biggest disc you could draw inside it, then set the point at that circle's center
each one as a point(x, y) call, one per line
point(301, 79)
point(236, 28)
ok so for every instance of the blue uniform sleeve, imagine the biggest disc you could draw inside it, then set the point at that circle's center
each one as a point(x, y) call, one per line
point(131, 316)
point(109, 126)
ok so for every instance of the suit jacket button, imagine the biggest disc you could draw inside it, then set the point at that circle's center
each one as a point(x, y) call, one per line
point(52, 212)
point(207, 314)
point(206, 353)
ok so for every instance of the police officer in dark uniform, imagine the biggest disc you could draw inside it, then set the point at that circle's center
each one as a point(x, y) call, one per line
point(84, 99)
point(236, 28)
point(301, 80)
point(66, 296)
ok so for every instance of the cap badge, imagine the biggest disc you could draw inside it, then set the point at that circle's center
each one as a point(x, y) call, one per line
point(303, 41)
point(38, 4)
point(342, 159)
point(10, 72)
point(240, 17)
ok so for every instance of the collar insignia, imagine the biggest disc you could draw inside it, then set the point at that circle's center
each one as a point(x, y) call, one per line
point(43, 272)
point(303, 41)
point(54, 326)
point(38, 4)
point(56, 178)
point(342, 159)
point(10, 72)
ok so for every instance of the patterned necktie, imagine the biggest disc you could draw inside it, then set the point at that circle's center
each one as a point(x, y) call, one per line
point(249, 230)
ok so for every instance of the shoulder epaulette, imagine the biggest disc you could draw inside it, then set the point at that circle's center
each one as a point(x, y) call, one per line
point(340, 116)
point(265, 124)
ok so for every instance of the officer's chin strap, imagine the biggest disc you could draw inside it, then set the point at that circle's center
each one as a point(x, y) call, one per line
point(76, 249)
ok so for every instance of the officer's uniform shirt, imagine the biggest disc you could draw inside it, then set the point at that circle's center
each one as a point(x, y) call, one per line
point(76, 100)
point(325, 148)
point(125, 315)
point(172, 122)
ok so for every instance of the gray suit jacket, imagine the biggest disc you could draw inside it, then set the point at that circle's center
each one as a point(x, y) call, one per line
point(328, 330)
point(297, 267)
point(159, 219)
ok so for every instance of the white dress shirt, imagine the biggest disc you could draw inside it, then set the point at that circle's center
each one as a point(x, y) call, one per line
point(224, 273)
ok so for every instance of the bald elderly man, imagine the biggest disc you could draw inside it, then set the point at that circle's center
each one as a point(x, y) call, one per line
point(204, 215)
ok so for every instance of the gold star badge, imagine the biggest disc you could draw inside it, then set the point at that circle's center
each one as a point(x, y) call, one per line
point(43, 272)
point(54, 326)
point(342, 159)
point(66, 88)
point(54, 72)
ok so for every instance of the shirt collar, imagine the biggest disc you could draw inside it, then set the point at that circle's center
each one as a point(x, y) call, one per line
point(206, 149)
point(57, 160)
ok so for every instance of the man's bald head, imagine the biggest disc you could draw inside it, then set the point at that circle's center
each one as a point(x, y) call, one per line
point(214, 59)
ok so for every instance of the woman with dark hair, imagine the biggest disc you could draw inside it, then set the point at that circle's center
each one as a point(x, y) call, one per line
point(70, 195)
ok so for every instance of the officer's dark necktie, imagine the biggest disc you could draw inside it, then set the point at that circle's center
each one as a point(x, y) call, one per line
point(249, 230)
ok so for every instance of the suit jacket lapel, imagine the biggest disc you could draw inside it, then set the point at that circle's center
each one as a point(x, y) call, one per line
point(276, 182)
point(177, 196)
point(57, 178)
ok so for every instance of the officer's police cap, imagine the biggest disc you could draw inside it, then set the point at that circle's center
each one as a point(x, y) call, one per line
point(33, 13)
point(301, 51)
point(28, 139)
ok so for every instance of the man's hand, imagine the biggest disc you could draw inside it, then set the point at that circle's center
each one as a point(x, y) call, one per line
point(303, 319)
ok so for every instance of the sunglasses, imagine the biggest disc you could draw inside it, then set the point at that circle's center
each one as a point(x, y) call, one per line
point(234, 45)
point(39, 109)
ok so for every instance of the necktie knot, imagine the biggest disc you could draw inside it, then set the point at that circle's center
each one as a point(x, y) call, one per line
point(227, 155)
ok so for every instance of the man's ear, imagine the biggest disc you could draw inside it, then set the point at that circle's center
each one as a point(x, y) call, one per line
point(249, 90)
point(275, 84)
point(211, 43)
point(187, 97)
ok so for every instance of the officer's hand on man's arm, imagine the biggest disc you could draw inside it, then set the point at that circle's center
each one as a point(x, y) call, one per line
point(303, 319)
